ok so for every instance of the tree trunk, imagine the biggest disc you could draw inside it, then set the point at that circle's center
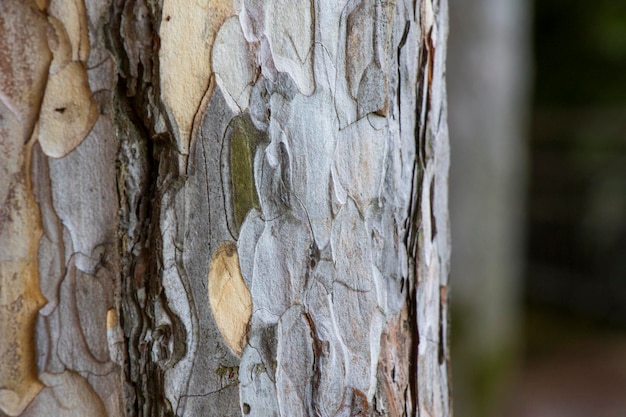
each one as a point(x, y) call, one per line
point(488, 79)
point(222, 209)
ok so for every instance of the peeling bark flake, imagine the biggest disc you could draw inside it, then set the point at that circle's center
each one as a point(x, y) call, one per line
point(229, 296)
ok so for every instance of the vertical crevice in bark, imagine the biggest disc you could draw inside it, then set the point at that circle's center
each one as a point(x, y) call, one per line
point(147, 172)
point(136, 191)
point(413, 363)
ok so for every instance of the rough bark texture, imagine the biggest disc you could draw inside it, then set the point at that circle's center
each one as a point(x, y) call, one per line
point(222, 209)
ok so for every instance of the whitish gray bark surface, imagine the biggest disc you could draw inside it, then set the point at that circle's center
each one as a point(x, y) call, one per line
point(216, 208)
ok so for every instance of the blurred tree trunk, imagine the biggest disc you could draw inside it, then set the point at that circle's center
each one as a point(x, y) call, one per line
point(217, 209)
point(489, 74)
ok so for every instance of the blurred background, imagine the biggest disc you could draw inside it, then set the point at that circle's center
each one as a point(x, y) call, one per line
point(537, 113)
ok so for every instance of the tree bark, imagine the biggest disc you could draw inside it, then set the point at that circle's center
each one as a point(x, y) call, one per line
point(223, 209)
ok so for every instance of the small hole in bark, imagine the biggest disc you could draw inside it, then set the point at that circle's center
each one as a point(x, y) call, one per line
point(314, 255)
point(246, 408)
point(60, 110)
point(167, 19)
